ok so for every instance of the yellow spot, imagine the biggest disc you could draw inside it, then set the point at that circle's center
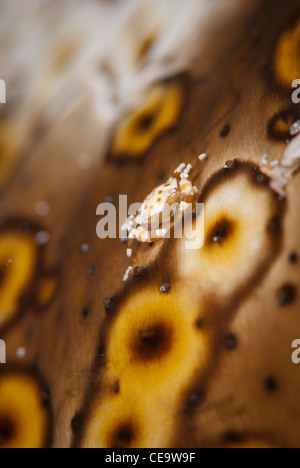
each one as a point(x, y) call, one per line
point(24, 421)
point(281, 127)
point(141, 128)
point(152, 350)
point(112, 418)
point(287, 57)
point(236, 240)
point(47, 287)
point(18, 256)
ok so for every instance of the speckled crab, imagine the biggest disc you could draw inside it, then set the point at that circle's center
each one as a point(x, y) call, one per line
point(148, 224)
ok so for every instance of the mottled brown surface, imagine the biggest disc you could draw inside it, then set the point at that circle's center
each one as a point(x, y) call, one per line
point(247, 394)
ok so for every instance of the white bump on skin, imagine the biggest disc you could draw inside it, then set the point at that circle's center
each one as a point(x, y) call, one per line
point(282, 172)
point(42, 238)
point(42, 208)
point(21, 353)
point(292, 152)
point(295, 128)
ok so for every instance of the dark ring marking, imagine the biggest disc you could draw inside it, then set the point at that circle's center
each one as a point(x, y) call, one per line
point(219, 233)
point(286, 295)
point(152, 343)
point(285, 118)
point(122, 436)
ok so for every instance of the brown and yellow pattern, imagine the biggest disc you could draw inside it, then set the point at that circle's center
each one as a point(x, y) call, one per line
point(25, 417)
point(194, 350)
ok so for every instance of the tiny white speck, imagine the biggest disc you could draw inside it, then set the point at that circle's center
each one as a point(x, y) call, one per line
point(21, 353)
point(127, 273)
point(42, 208)
point(203, 156)
point(10, 262)
point(85, 248)
point(42, 237)
point(85, 161)
point(129, 253)
point(274, 163)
